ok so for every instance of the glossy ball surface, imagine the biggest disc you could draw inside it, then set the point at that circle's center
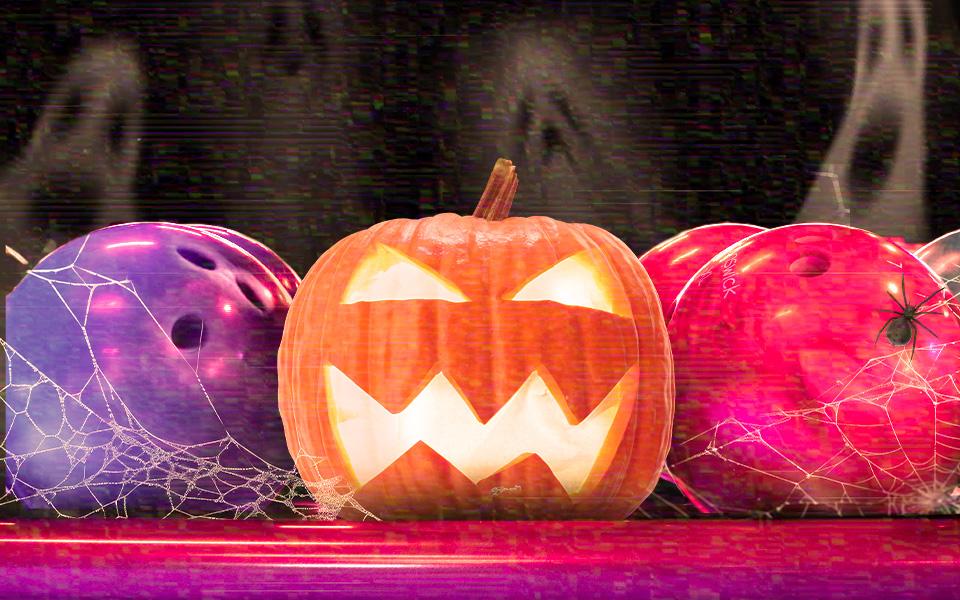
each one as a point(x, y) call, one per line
point(287, 277)
point(908, 246)
point(943, 256)
point(145, 373)
point(672, 262)
point(798, 388)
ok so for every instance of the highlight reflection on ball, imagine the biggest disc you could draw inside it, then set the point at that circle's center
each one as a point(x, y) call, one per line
point(147, 373)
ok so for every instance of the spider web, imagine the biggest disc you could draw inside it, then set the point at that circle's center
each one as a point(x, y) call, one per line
point(112, 455)
point(903, 479)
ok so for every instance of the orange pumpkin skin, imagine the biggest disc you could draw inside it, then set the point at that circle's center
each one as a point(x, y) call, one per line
point(486, 345)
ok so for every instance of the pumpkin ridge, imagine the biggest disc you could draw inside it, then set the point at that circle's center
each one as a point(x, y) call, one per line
point(487, 347)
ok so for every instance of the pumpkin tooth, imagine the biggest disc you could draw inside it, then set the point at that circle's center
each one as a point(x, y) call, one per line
point(531, 422)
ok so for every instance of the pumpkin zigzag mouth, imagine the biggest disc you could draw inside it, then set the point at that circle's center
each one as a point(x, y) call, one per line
point(531, 422)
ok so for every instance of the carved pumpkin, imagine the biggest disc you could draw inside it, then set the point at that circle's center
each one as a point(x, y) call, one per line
point(473, 367)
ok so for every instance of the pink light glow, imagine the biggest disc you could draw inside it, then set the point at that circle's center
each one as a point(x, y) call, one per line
point(178, 542)
point(180, 229)
point(684, 256)
point(343, 566)
point(213, 369)
point(396, 559)
point(866, 558)
point(227, 308)
point(107, 302)
point(130, 244)
point(315, 526)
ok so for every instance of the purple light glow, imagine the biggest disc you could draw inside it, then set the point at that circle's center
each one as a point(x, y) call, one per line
point(850, 558)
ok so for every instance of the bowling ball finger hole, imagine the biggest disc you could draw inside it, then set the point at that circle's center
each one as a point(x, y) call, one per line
point(810, 265)
point(187, 332)
point(197, 258)
point(251, 295)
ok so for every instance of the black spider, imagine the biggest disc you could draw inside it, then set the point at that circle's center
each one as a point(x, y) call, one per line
point(902, 327)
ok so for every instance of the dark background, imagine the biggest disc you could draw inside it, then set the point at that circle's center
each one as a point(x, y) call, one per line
point(301, 121)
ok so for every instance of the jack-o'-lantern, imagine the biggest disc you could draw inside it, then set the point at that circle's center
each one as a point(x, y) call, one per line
point(478, 367)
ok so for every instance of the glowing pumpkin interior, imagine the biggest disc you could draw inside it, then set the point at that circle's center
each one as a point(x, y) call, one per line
point(535, 420)
point(430, 362)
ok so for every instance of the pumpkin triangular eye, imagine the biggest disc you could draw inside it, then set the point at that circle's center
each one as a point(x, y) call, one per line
point(388, 274)
point(576, 281)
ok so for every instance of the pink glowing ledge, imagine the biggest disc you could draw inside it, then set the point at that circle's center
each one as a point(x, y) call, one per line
point(903, 558)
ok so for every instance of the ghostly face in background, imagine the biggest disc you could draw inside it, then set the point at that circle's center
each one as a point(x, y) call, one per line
point(189, 113)
point(299, 121)
point(562, 99)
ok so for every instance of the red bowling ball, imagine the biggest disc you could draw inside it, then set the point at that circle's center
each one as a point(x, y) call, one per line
point(815, 369)
point(672, 262)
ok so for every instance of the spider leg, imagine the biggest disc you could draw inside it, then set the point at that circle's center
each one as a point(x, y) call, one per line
point(952, 295)
point(927, 299)
point(926, 312)
point(913, 334)
point(902, 307)
point(896, 312)
point(885, 325)
point(903, 291)
point(917, 321)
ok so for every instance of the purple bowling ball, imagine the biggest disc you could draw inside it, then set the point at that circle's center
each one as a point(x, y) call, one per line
point(143, 376)
point(288, 279)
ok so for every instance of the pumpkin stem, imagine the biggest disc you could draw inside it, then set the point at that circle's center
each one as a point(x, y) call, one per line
point(497, 197)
